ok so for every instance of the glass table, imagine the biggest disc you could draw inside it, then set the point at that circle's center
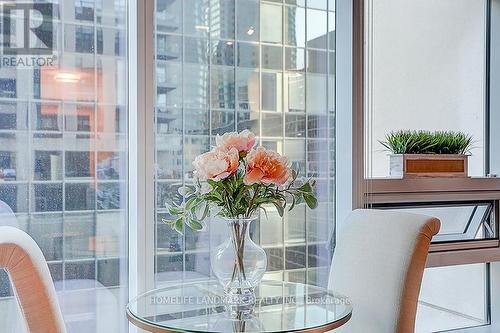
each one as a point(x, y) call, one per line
point(199, 308)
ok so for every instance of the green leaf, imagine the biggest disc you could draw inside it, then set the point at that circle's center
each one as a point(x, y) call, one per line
point(175, 211)
point(169, 222)
point(206, 211)
point(195, 225)
point(306, 188)
point(179, 225)
point(311, 201)
point(192, 203)
point(224, 184)
point(240, 195)
point(293, 204)
point(281, 210)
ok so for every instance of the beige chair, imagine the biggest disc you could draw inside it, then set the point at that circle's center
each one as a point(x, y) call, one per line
point(29, 273)
point(378, 263)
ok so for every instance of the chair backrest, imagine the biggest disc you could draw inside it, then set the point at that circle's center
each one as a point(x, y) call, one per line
point(30, 276)
point(7, 216)
point(378, 263)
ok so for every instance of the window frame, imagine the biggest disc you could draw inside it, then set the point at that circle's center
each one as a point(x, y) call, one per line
point(367, 191)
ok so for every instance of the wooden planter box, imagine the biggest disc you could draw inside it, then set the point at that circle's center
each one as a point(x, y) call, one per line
point(432, 165)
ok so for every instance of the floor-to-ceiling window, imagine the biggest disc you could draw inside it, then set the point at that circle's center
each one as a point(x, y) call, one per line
point(63, 158)
point(266, 66)
point(427, 67)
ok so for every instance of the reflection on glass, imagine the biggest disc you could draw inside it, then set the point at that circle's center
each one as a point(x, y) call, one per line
point(193, 146)
point(460, 221)
point(248, 55)
point(248, 20)
point(272, 57)
point(270, 23)
point(294, 59)
point(318, 4)
point(317, 29)
point(295, 125)
point(295, 85)
point(169, 121)
point(13, 115)
point(169, 47)
point(196, 17)
point(195, 81)
point(196, 50)
point(249, 121)
point(271, 91)
point(223, 53)
point(169, 15)
point(222, 19)
point(169, 157)
point(296, 2)
point(244, 67)
point(46, 116)
point(198, 121)
point(15, 196)
point(79, 196)
point(222, 122)
point(296, 152)
point(317, 61)
point(316, 88)
point(248, 90)
point(272, 124)
point(56, 149)
point(459, 292)
point(47, 231)
point(79, 118)
point(295, 23)
point(223, 94)
point(169, 88)
point(331, 31)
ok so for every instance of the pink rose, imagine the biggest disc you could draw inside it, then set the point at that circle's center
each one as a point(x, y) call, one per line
point(267, 167)
point(243, 141)
point(217, 164)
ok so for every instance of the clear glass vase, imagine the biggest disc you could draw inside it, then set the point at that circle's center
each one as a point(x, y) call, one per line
point(239, 265)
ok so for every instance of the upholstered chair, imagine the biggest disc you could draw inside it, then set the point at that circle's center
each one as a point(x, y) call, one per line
point(24, 262)
point(378, 263)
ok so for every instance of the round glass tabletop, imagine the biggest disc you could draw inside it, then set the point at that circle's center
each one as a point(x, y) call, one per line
point(199, 308)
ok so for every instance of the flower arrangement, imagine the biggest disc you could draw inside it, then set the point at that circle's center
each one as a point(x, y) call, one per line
point(235, 180)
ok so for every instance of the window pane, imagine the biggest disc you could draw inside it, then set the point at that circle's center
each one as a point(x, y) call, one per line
point(453, 297)
point(437, 75)
point(271, 91)
point(222, 18)
point(248, 90)
point(196, 17)
point(63, 164)
point(248, 20)
point(248, 55)
point(247, 67)
point(295, 22)
point(317, 29)
point(270, 22)
point(272, 57)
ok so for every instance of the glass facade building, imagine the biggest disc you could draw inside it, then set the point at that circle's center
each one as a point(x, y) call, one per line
point(63, 148)
point(266, 66)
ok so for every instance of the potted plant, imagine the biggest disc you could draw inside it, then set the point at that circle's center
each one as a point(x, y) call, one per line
point(428, 154)
point(235, 181)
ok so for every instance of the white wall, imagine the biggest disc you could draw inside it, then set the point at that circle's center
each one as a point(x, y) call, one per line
point(427, 71)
